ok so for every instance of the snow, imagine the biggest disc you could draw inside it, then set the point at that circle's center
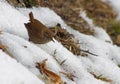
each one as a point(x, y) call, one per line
point(102, 35)
point(104, 58)
point(14, 24)
point(43, 15)
point(84, 16)
point(21, 68)
point(99, 32)
point(11, 72)
point(32, 52)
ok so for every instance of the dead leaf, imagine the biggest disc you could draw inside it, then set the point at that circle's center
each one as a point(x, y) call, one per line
point(56, 79)
point(3, 47)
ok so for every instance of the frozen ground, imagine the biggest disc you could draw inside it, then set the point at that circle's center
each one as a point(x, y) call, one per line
point(21, 68)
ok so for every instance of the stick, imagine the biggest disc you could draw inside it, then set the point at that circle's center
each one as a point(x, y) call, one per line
point(87, 51)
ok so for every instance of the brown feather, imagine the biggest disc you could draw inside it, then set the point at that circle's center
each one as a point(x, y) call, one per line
point(31, 17)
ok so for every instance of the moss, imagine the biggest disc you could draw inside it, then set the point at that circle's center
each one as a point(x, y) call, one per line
point(115, 25)
point(119, 66)
point(30, 3)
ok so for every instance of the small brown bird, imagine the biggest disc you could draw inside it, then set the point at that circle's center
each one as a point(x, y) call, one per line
point(38, 33)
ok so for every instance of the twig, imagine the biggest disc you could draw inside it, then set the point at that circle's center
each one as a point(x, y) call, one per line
point(63, 61)
point(69, 75)
point(87, 51)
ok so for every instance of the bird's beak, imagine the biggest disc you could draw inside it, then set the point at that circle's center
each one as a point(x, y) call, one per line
point(53, 40)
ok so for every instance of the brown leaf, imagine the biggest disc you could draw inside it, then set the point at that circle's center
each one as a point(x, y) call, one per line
point(3, 47)
point(56, 79)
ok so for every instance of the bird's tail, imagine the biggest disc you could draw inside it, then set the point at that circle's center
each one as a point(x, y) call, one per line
point(31, 17)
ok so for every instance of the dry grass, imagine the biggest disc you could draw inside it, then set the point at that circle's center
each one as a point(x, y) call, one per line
point(101, 13)
point(68, 41)
point(114, 31)
point(100, 77)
